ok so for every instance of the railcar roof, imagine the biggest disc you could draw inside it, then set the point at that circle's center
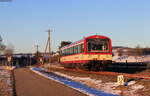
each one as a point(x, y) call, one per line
point(93, 36)
point(73, 43)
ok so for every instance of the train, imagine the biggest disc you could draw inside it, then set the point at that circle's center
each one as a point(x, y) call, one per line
point(91, 53)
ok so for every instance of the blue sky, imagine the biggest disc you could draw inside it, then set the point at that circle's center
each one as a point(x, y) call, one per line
point(23, 23)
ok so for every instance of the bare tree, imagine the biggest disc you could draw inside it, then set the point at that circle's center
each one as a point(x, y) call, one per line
point(120, 52)
point(130, 52)
point(2, 47)
point(146, 51)
point(9, 49)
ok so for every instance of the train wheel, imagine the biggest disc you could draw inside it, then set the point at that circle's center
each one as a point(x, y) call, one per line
point(86, 67)
point(78, 66)
point(82, 66)
point(93, 66)
point(73, 65)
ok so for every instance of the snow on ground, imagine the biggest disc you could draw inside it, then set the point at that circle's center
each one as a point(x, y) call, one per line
point(137, 87)
point(131, 82)
point(5, 82)
point(133, 90)
point(108, 87)
point(124, 58)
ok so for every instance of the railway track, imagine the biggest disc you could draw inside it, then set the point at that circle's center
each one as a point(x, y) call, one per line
point(128, 67)
point(108, 73)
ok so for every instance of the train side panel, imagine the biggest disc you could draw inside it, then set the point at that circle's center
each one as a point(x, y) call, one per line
point(82, 58)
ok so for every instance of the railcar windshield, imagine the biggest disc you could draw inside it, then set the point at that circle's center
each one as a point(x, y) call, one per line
point(98, 45)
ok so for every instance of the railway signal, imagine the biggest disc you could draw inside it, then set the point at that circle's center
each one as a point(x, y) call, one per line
point(120, 80)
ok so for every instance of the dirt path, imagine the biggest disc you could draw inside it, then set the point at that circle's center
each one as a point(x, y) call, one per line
point(31, 84)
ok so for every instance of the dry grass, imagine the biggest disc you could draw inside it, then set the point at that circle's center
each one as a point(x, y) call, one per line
point(5, 88)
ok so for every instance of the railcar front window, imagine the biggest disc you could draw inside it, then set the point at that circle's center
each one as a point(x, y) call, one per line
point(98, 45)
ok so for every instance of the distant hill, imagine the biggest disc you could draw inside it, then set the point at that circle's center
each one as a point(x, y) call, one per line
point(116, 47)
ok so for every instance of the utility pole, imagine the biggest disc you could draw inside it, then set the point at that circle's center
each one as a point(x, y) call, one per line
point(48, 45)
point(37, 48)
point(37, 53)
point(1, 39)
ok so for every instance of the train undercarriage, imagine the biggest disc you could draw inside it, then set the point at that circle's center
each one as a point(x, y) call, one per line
point(92, 65)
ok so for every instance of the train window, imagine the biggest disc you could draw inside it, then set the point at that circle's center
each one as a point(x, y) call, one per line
point(98, 45)
point(75, 49)
point(71, 50)
point(78, 48)
point(82, 48)
point(63, 52)
point(67, 51)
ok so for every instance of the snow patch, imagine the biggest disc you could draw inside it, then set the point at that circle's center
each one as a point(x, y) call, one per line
point(137, 87)
point(106, 87)
point(109, 87)
point(131, 82)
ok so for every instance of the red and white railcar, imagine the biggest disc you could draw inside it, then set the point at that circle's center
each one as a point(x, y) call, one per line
point(93, 52)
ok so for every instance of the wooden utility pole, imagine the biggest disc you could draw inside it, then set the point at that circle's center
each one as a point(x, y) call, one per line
point(1, 39)
point(37, 48)
point(48, 45)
